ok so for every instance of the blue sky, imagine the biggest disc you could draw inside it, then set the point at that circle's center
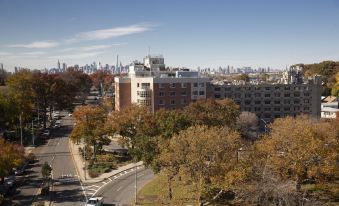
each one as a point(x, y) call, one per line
point(190, 33)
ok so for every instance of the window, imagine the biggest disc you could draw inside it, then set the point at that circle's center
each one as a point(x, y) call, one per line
point(195, 84)
point(172, 102)
point(297, 94)
point(161, 102)
point(267, 102)
point(183, 101)
point(172, 85)
point(277, 94)
point(247, 102)
point(306, 108)
point(277, 102)
point(138, 85)
point(287, 109)
point(287, 88)
point(217, 96)
point(296, 101)
point(257, 88)
point(257, 102)
point(161, 85)
point(145, 84)
point(287, 101)
point(217, 89)
point(306, 94)
point(183, 85)
point(296, 108)
point(257, 109)
point(195, 92)
point(277, 109)
point(201, 93)
point(266, 109)
point(237, 95)
point(257, 95)
point(287, 95)
point(172, 93)
point(248, 95)
point(306, 101)
point(267, 88)
point(228, 88)
point(267, 95)
point(183, 93)
point(201, 84)
point(266, 116)
point(161, 94)
point(247, 109)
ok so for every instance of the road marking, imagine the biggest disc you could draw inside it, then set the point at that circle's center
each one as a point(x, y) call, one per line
point(110, 179)
point(92, 189)
point(104, 182)
point(119, 188)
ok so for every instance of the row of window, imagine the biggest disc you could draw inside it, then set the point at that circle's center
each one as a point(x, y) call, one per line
point(249, 95)
point(286, 101)
point(257, 88)
point(172, 102)
point(183, 93)
point(275, 109)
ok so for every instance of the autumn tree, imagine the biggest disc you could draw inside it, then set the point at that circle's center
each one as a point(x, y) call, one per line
point(213, 112)
point(102, 79)
point(20, 88)
point(199, 154)
point(89, 127)
point(136, 127)
point(242, 77)
point(299, 149)
point(11, 155)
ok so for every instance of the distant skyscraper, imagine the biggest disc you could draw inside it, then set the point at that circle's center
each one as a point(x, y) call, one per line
point(1, 66)
point(64, 66)
point(59, 66)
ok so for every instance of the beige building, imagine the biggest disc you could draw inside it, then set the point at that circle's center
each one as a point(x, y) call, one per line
point(150, 84)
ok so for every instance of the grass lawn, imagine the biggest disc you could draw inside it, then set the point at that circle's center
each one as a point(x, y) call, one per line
point(156, 193)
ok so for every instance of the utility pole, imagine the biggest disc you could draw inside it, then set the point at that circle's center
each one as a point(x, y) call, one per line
point(135, 185)
point(20, 129)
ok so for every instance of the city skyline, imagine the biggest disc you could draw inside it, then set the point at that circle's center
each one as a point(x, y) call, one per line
point(189, 34)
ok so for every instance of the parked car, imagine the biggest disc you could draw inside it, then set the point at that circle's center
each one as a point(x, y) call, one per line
point(10, 180)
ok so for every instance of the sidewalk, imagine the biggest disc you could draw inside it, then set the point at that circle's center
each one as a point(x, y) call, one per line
point(80, 164)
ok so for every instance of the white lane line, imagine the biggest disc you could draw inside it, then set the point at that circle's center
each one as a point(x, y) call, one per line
point(104, 182)
point(110, 179)
point(92, 189)
point(119, 188)
point(115, 177)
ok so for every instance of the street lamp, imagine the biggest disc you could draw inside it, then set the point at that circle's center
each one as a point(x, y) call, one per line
point(265, 125)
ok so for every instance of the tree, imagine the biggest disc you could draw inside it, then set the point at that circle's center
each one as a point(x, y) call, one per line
point(213, 112)
point(11, 155)
point(264, 77)
point(242, 77)
point(136, 127)
point(247, 125)
point(90, 121)
point(46, 170)
point(200, 154)
point(102, 79)
point(299, 149)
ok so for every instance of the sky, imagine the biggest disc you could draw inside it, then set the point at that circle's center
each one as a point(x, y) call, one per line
point(189, 33)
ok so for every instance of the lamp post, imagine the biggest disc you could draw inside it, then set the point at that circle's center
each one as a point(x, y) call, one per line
point(265, 124)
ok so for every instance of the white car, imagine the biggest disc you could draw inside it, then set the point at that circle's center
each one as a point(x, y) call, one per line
point(95, 201)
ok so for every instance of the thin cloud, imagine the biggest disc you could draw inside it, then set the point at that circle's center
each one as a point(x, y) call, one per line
point(92, 48)
point(76, 56)
point(34, 53)
point(37, 45)
point(113, 32)
point(5, 53)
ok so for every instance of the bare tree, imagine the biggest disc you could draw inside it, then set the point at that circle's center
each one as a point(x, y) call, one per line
point(247, 125)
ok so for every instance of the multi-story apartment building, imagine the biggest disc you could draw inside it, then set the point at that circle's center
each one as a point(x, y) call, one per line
point(270, 101)
point(150, 84)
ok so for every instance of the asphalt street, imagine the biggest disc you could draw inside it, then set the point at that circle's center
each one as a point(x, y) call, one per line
point(56, 153)
point(121, 191)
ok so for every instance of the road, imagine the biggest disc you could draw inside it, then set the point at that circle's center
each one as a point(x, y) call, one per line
point(121, 191)
point(56, 153)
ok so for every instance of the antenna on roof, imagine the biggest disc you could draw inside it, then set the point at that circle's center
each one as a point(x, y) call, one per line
point(149, 51)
